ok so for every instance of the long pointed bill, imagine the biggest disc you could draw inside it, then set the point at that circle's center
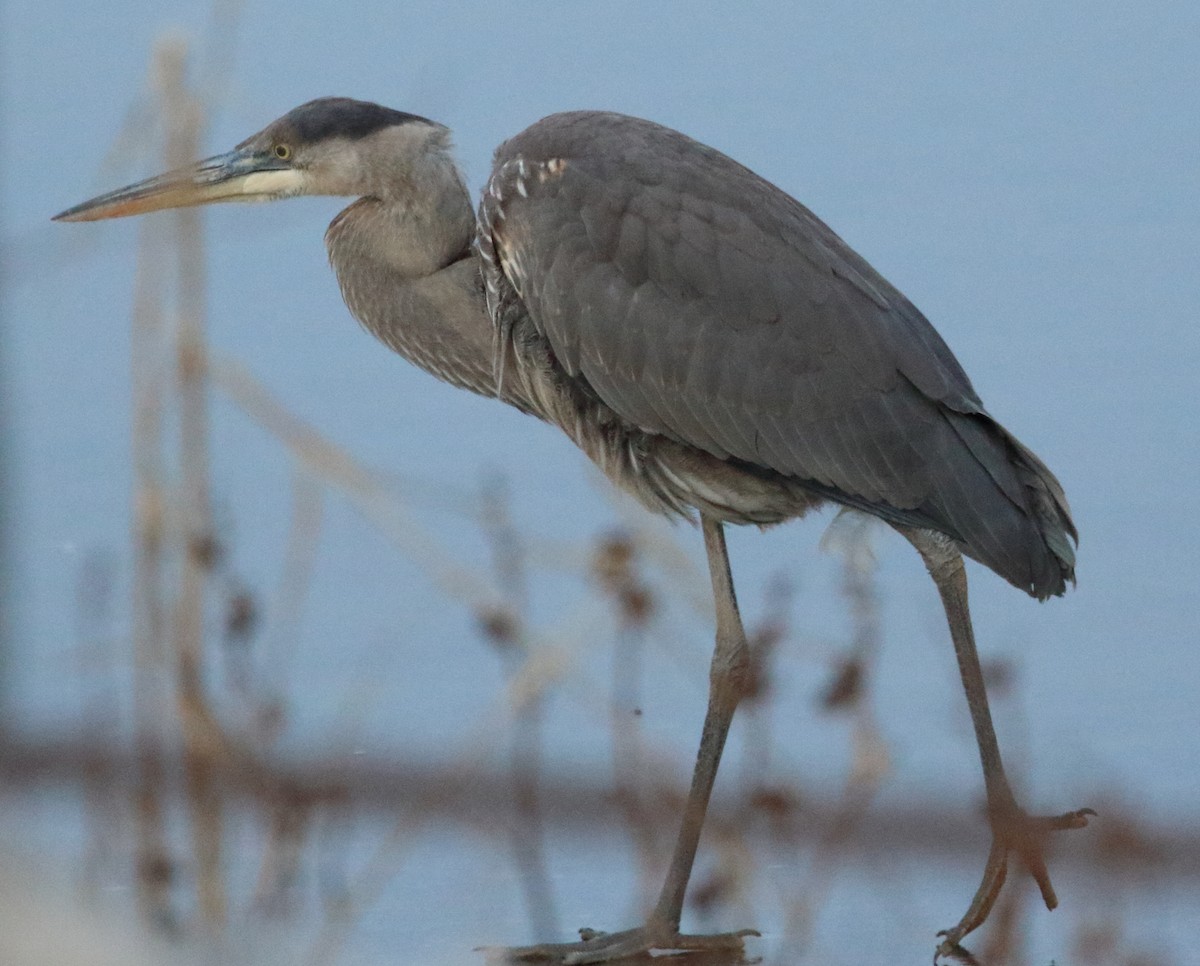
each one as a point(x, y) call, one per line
point(240, 175)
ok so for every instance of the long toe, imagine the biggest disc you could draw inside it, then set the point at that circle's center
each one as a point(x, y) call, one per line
point(1026, 836)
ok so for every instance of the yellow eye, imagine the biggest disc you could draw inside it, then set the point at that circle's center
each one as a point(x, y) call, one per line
point(283, 152)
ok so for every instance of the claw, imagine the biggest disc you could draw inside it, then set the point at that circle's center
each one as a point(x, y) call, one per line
point(952, 950)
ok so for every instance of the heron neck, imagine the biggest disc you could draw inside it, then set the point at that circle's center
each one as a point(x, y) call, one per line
point(409, 274)
point(412, 230)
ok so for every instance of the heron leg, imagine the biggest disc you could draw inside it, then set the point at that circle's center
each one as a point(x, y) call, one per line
point(728, 681)
point(1013, 830)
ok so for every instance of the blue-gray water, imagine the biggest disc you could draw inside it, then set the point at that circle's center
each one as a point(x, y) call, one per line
point(1025, 174)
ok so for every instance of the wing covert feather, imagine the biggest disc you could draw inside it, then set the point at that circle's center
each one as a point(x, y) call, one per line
point(701, 303)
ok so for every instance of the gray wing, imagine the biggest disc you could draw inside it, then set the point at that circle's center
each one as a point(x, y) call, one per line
point(701, 303)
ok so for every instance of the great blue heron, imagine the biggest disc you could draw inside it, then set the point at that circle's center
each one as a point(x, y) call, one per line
point(709, 342)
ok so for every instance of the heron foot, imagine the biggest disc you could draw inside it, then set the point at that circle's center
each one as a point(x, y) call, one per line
point(1013, 832)
point(651, 941)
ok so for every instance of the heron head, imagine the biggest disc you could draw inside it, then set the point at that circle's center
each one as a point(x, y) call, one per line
point(330, 146)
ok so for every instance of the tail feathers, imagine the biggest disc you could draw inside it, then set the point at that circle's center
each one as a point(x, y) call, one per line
point(1024, 531)
point(1050, 506)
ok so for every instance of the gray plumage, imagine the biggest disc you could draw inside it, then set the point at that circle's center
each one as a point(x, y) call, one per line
point(704, 337)
point(700, 334)
point(700, 303)
point(654, 295)
point(707, 340)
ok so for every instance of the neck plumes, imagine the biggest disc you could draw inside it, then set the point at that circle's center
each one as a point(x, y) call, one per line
point(408, 272)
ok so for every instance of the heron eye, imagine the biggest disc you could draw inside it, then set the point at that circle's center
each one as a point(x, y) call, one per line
point(283, 152)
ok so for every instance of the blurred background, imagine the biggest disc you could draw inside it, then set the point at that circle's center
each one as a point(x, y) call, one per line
point(309, 658)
